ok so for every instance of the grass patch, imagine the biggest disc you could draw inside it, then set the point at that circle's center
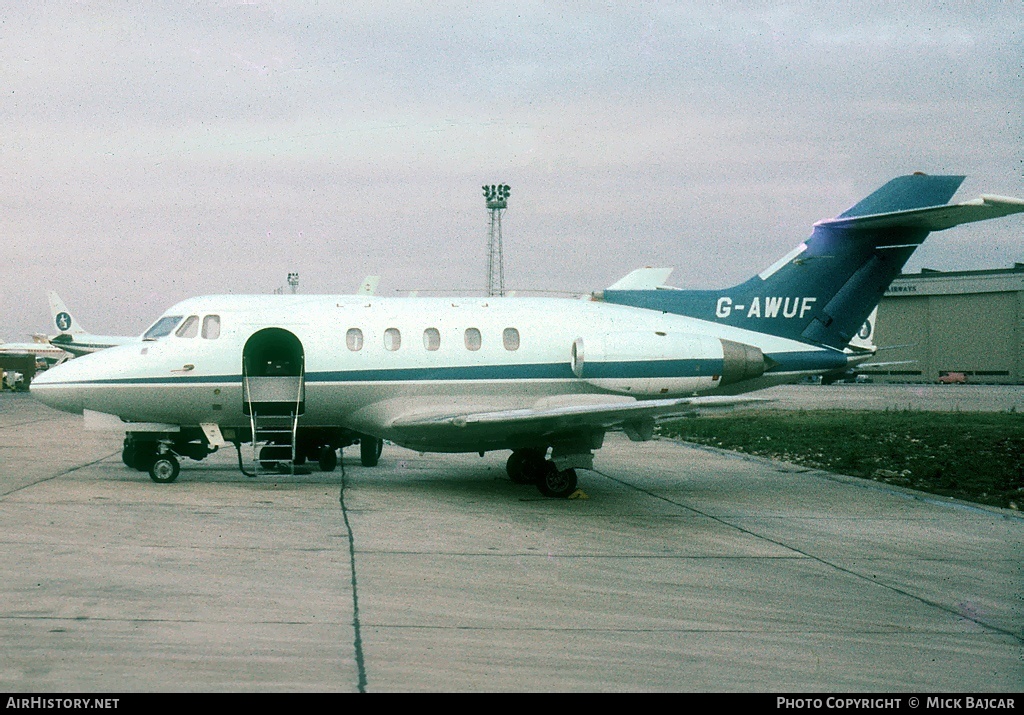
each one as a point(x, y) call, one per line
point(977, 456)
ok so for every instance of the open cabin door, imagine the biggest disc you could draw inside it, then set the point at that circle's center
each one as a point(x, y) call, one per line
point(274, 395)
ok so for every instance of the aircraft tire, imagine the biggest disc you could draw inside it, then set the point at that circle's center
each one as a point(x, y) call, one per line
point(557, 484)
point(128, 455)
point(518, 468)
point(328, 459)
point(535, 466)
point(164, 469)
point(370, 449)
point(142, 457)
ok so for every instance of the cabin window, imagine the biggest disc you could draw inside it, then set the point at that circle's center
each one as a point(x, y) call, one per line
point(211, 327)
point(162, 327)
point(473, 340)
point(190, 328)
point(392, 339)
point(431, 339)
point(354, 339)
point(510, 337)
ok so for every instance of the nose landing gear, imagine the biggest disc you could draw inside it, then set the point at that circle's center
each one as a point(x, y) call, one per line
point(165, 469)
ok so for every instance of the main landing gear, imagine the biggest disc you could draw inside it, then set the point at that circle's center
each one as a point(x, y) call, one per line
point(530, 466)
point(370, 449)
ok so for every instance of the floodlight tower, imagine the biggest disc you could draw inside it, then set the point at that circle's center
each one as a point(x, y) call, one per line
point(293, 281)
point(497, 201)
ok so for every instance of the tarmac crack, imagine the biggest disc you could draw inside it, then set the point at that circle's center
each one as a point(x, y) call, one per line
point(358, 637)
point(58, 474)
point(951, 610)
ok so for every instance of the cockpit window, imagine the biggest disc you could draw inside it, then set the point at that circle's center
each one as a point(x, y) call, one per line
point(162, 327)
point(190, 328)
point(211, 327)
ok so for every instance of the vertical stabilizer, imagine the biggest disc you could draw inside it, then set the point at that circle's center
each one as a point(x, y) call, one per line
point(823, 290)
point(61, 317)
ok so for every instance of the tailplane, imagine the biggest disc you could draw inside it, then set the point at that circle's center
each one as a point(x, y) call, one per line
point(824, 290)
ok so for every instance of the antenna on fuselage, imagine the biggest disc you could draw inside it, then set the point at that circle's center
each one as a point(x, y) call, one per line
point(497, 201)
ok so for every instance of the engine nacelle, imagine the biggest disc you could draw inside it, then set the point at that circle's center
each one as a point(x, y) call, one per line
point(654, 363)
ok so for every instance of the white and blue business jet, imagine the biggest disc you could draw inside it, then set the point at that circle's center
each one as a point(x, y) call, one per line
point(299, 376)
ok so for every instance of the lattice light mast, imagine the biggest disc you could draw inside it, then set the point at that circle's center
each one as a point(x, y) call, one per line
point(293, 282)
point(497, 201)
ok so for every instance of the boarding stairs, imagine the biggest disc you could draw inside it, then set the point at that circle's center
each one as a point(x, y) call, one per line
point(274, 405)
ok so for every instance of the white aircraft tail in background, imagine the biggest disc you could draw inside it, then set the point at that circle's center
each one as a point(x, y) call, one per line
point(72, 337)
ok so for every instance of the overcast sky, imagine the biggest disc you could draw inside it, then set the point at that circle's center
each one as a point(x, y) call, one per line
point(150, 152)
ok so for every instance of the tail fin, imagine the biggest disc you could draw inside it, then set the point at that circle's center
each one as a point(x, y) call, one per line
point(63, 321)
point(823, 290)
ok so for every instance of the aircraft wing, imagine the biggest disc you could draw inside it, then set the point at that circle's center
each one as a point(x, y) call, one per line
point(635, 417)
point(934, 218)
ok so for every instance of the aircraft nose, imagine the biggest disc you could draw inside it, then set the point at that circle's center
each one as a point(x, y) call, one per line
point(60, 387)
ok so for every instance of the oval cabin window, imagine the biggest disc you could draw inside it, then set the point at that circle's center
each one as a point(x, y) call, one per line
point(431, 339)
point(510, 337)
point(354, 339)
point(392, 339)
point(473, 339)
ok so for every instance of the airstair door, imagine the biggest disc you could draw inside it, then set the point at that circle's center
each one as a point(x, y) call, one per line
point(274, 394)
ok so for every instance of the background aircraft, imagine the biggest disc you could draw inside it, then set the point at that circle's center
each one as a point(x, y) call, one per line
point(72, 337)
point(39, 350)
point(19, 362)
point(297, 376)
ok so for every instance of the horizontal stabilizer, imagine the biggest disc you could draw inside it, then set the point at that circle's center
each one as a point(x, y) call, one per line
point(891, 363)
point(933, 218)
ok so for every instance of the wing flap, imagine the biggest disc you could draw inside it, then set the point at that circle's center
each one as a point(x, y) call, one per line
point(933, 218)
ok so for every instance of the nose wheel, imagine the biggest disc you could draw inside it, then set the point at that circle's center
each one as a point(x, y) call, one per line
point(164, 469)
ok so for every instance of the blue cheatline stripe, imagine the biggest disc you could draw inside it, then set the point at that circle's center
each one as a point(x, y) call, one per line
point(786, 362)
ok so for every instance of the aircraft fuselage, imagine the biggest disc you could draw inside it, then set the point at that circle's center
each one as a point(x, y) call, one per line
point(422, 355)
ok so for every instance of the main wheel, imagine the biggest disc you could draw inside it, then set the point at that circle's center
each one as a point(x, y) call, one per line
point(521, 468)
point(370, 449)
point(328, 459)
point(141, 455)
point(164, 469)
point(557, 484)
point(128, 455)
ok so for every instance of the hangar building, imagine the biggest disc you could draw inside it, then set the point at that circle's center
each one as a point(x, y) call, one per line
point(969, 322)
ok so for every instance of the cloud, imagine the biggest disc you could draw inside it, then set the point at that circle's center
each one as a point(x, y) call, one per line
point(166, 151)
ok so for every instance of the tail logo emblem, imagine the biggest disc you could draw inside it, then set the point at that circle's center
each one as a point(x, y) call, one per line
point(63, 321)
point(865, 330)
